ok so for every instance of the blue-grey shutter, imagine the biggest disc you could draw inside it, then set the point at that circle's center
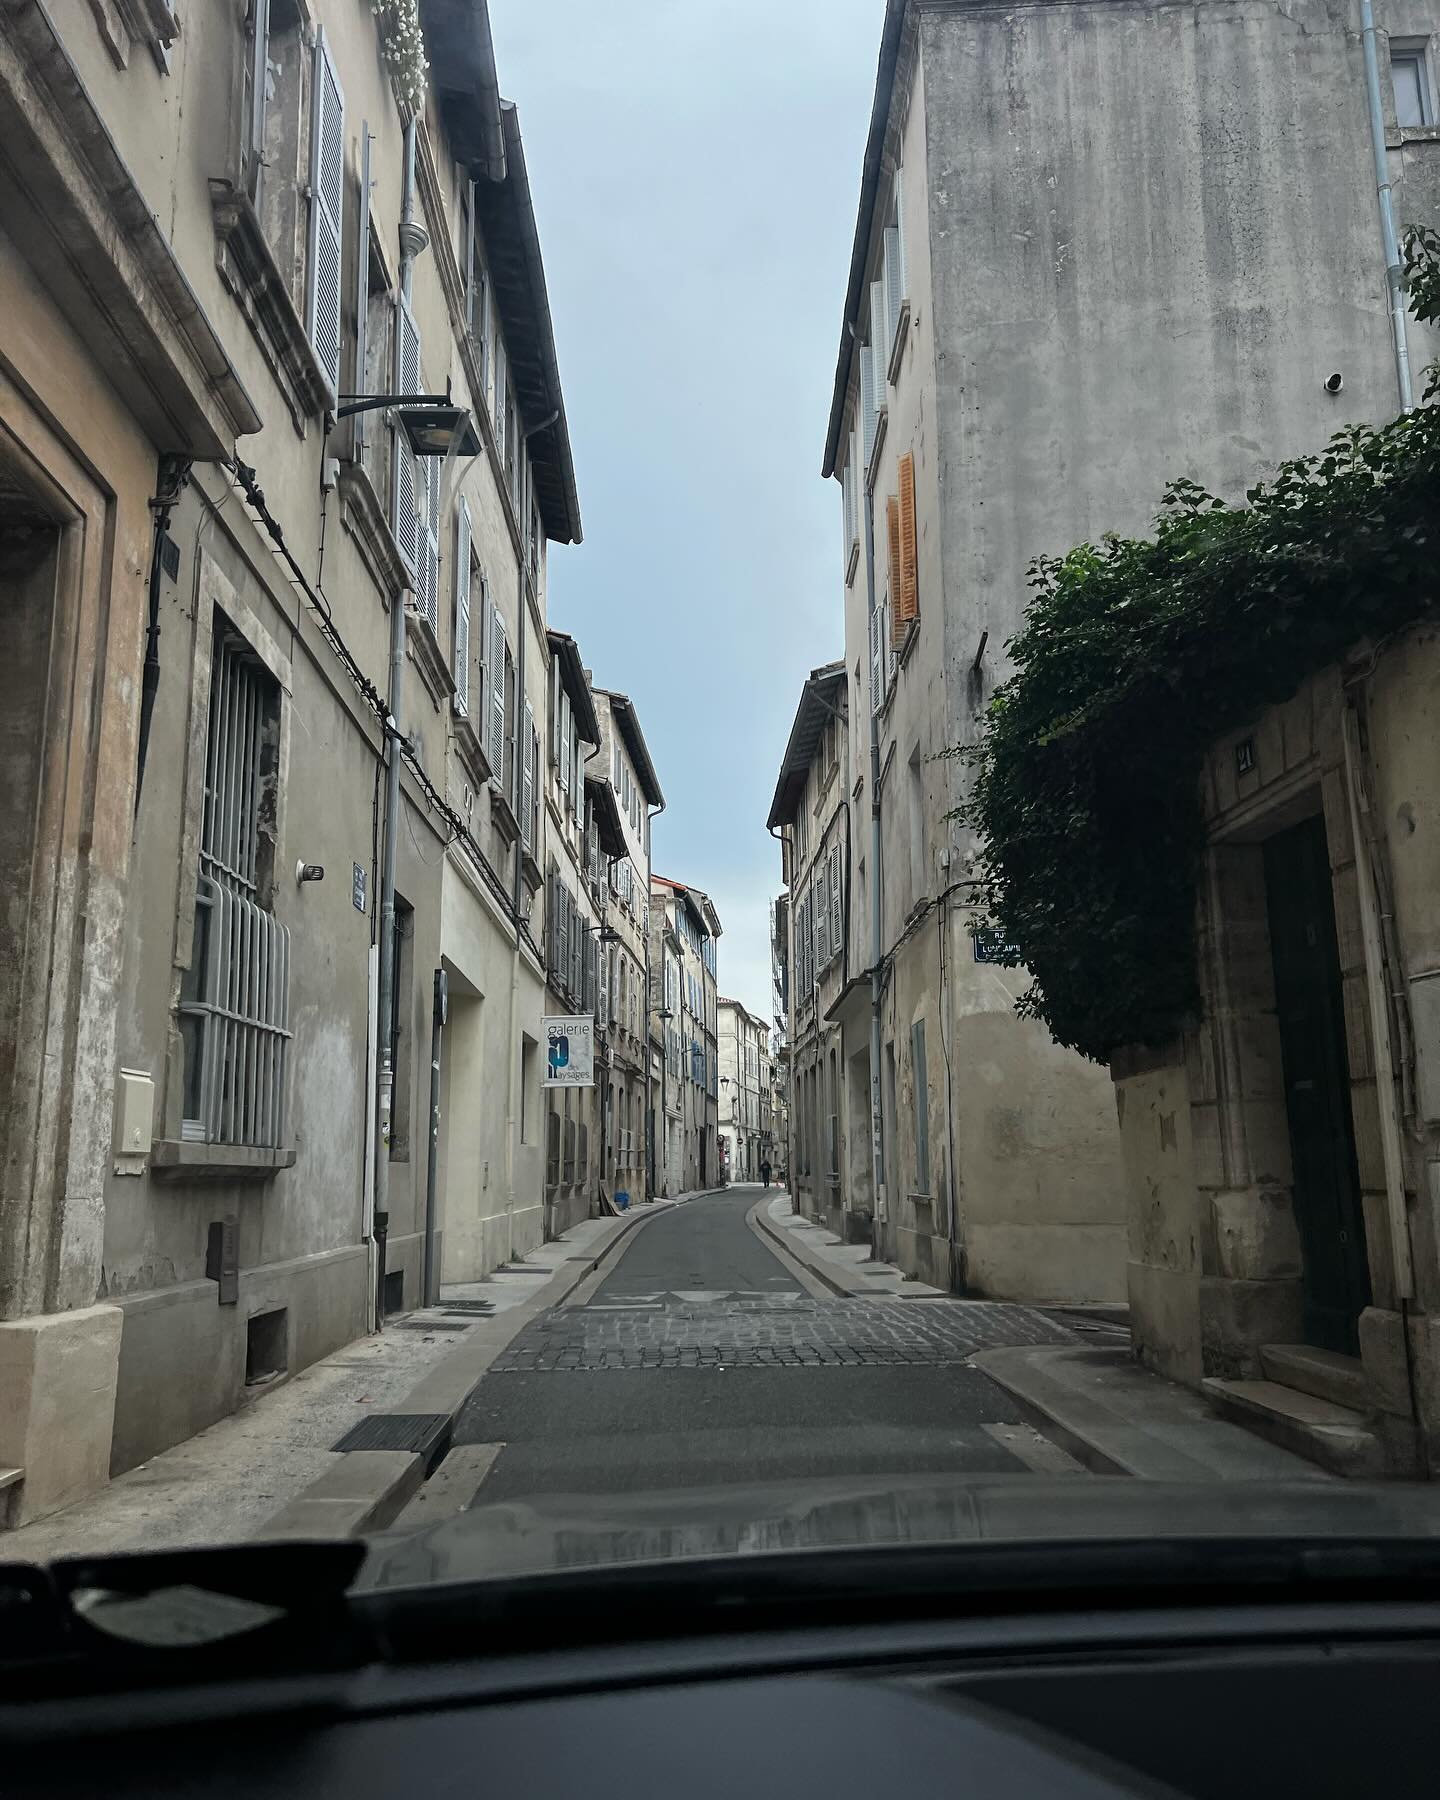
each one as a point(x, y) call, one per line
point(894, 289)
point(361, 421)
point(527, 780)
point(837, 916)
point(405, 507)
point(327, 204)
point(462, 609)
point(430, 548)
point(495, 740)
point(900, 236)
point(867, 403)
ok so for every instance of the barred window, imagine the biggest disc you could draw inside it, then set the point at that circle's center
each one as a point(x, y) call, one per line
point(234, 1006)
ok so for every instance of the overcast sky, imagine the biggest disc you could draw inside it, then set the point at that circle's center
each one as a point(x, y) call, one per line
point(696, 170)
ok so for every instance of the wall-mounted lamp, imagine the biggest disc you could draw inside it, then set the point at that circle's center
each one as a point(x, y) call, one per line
point(308, 872)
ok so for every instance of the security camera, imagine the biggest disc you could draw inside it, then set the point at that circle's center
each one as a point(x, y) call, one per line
point(1334, 383)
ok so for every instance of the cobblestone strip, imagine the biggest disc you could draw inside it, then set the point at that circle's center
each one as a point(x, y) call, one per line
point(786, 1334)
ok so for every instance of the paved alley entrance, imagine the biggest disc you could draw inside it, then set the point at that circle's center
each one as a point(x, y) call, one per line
point(702, 1358)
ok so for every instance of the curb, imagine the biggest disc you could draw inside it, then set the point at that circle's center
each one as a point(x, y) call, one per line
point(800, 1253)
point(364, 1490)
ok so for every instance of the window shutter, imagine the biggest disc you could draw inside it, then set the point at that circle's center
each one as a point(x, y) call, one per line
point(562, 942)
point(900, 236)
point(857, 489)
point(462, 610)
point(430, 602)
point(499, 409)
point(867, 402)
point(577, 953)
point(894, 290)
point(527, 792)
point(565, 741)
point(534, 838)
point(327, 201)
point(495, 743)
point(555, 711)
point(361, 421)
point(877, 692)
point(255, 126)
point(878, 338)
point(468, 250)
point(822, 918)
point(892, 539)
point(405, 509)
point(908, 593)
point(847, 509)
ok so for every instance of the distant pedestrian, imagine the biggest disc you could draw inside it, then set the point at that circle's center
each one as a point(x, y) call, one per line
point(765, 1173)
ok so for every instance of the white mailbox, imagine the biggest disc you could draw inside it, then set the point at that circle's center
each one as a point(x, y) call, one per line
point(134, 1120)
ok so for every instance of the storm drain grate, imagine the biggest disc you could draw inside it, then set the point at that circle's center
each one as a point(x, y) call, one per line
point(429, 1324)
point(419, 1432)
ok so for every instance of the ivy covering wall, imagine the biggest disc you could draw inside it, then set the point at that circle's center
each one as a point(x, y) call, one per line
point(1135, 655)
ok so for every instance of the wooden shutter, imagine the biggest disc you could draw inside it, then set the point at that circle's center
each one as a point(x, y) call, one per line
point(360, 423)
point(878, 338)
point(577, 953)
point(562, 933)
point(327, 204)
point(892, 539)
point(405, 508)
point(907, 594)
point(462, 610)
point(867, 403)
point(837, 914)
point(822, 918)
point(847, 510)
point(495, 741)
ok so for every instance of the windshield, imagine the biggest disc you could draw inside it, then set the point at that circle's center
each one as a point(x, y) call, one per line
point(553, 1010)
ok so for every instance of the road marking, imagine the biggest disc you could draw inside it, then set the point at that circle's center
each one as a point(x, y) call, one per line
point(701, 1296)
point(1034, 1450)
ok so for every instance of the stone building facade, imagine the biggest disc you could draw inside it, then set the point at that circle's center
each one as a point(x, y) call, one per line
point(746, 1129)
point(1022, 363)
point(1283, 1157)
point(684, 939)
point(217, 228)
point(633, 796)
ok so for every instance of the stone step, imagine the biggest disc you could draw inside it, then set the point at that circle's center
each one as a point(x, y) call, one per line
point(1336, 1437)
point(1324, 1373)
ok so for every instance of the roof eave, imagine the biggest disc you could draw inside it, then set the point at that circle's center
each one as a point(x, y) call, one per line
point(890, 36)
point(572, 673)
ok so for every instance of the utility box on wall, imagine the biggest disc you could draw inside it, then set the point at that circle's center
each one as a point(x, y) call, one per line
point(134, 1120)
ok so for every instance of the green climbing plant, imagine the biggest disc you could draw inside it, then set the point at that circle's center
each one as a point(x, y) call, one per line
point(1135, 654)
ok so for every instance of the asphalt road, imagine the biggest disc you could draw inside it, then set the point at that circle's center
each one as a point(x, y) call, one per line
point(700, 1359)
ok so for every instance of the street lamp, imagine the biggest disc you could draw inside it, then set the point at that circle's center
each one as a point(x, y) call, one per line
point(432, 424)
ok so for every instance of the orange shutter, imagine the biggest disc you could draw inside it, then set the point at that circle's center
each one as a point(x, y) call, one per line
point(908, 602)
point(892, 533)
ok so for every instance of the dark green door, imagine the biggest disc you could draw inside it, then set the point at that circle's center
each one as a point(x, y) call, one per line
point(1335, 1276)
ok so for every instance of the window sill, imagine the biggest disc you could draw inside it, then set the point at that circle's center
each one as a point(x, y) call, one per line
point(1412, 134)
point(176, 1159)
point(897, 348)
point(471, 751)
point(501, 815)
point(907, 642)
point(428, 658)
point(364, 516)
point(249, 270)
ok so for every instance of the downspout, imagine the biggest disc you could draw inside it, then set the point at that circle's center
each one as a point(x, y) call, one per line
point(1394, 271)
point(651, 814)
point(413, 239)
point(173, 479)
point(877, 941)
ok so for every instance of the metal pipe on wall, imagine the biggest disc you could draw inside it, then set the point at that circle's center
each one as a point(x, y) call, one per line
point(412, 241)
point(1394, 271)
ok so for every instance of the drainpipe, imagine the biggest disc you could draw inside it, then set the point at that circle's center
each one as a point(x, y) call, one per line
point(413, 240)
point(877, 940)
point(438, 1011)
point(1394, 272)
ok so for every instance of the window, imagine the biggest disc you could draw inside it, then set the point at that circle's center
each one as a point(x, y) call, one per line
point(234, 1006)
point(477, 285)
point(916, 795)
point(327, 197)
point(530, 797)
point(1410, 73)
point(495, 732)
point(374, 335)
point(922, 1107)
point(893, 270)
point(462, 610)
point(409, 486)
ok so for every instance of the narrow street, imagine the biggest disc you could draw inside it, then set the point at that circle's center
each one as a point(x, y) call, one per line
point(701, 1358)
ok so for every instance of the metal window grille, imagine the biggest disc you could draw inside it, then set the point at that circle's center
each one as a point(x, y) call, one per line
point(238, 1009)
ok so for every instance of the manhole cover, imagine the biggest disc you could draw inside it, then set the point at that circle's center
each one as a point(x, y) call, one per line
point(419, 1432)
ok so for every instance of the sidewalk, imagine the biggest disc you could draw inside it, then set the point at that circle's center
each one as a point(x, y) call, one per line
point(1096, 1402)
point(231, 1481)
